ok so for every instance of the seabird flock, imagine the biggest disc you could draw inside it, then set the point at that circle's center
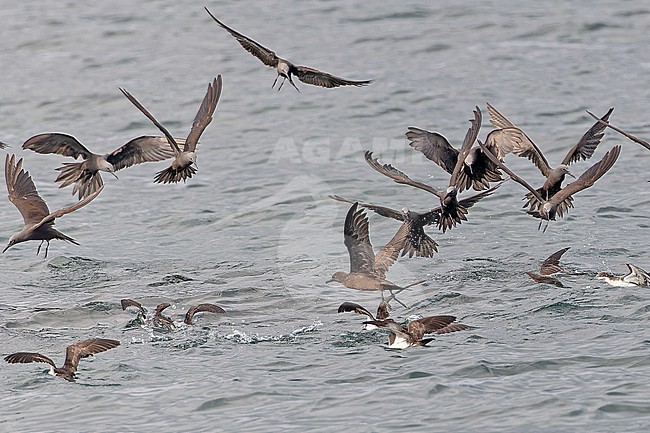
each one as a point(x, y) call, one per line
point(477, 165)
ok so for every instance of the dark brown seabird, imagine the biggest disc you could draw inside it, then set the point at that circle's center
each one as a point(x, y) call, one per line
point(412, 334)
point(181, 168)
point(158, 320)
point(368, 270)
point(620, 131)
point(73, 354)
point(285, 68)
point(550, 266)
point(636, 277)
point(201, 308)
point(562, 200)
point(39, 222)
point(417, 241)
point(476, 171)
point(583, 149)
point(85, 175)
point(452, 210)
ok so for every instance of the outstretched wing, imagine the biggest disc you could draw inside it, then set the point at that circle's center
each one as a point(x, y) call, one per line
point(386, 256)
point(468, 142)
point(381, 210)
point(149, 116)
point(620, 131)
point(27, 357)
point(356, 308)
point(85, 348)
point(201, 308)
point(204, 115)
point(434, 146)
point(267, 56)
point(497, 119)
point(588, 178)
point(22, 192)
point(66, 210)
point(398, 176)
point(357, 241)
point(57, 143)
point(146, 148)
point(552, 264)
point(319, 78)
point(588, 143)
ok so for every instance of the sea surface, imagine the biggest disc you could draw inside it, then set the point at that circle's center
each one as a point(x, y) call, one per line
point(255, 232)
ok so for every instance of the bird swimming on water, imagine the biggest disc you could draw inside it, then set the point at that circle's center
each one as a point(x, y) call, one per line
point(382, 312)
point(73, 354)
point(412, 334)
point(157, 321)
point(85, 175)
point(181, 168)
point(39, 222)
point(285, 68)
point(636, 277)
point(525, 147)
point(201, 308)
point(367, 269)
point(562, 200)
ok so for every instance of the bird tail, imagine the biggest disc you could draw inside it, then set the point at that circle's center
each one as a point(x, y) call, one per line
point(172, 175)
point(66, 238)
point(425, 341)
point(415, 284)
point(86, 182)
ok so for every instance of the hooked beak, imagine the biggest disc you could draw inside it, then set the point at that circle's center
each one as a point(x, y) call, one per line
point(570, 174)
point(6, 248)
point(114, 174)
point(326, 282)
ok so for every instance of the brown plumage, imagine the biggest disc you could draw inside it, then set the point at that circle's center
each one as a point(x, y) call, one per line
point(562, 200)
point(620, 131)
point(39, 222)
point(73, 354)
point(181, 168)
point(367, 269)
point(582, 150)
point(286, 69)
point(417, 241)
point(201, 308)
point(85, 175)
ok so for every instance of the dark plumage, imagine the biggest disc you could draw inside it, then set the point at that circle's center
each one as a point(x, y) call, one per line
point(562, 200)
point(286, 69)
point(412, 334)
point(201, 308)
point(620, 131)
point(181, 168)
point(39, 222)
point(583, 149)
point(73, 354)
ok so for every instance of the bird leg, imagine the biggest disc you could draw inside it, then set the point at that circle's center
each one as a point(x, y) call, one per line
point(391, 297)
point(47, 248)
point(275, 81)
point(282, 83)
point(292, 83)
point(39, 247)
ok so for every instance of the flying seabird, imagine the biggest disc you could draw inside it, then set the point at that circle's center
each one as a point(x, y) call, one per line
point(39, 222)
point(476, 170)
point(561, 201)
point(158, 320)
point(201, 308)
point(368, 270)
point(636, 277)
point(452, 210)
point(620, 131)
point(382, 312)
point(85, 175)
point(417, 241)
point(285, 68)
point(583, 149)
point(73, 354)
point(550, 267)
point(412, 334)
point(181, 168)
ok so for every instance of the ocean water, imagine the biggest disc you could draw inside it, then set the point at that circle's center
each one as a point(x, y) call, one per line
point(255, 233)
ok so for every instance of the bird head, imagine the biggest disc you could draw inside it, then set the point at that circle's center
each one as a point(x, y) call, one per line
point(12, 241)
point(548, 211)
point(564, 169)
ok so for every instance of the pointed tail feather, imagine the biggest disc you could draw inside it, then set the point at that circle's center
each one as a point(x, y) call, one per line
point(171, 175)
point(66, 238)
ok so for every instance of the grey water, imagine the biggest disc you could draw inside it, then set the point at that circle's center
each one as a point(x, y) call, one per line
point(255, 233)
